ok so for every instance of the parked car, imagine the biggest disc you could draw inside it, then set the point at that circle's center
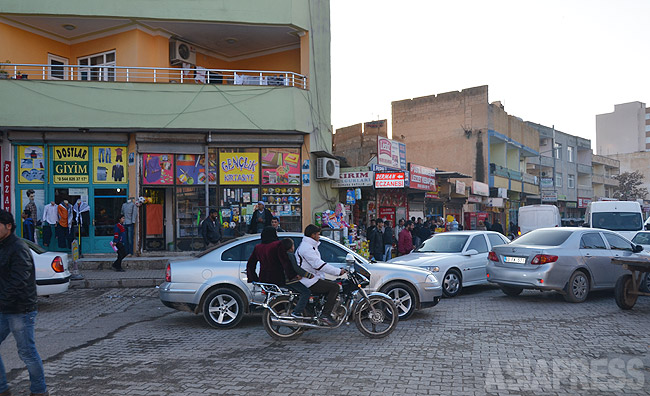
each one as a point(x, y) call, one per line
point(215, 283)
point(460, 257)
point(52, 275)
point(532, 217)
point(572, 261)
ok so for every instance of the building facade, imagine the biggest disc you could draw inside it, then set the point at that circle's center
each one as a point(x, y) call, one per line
point(464, 132)
point(564, 170)
point(626, 130)
point(631, 162)
point(603, 171)
point(217, 105)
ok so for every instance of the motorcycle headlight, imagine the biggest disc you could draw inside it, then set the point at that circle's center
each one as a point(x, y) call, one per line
point(431, 279)
point(433, 268)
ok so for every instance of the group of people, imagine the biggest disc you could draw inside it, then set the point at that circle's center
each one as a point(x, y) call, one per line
point(301, 270)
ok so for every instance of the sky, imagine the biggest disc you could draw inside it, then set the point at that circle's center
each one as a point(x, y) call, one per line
point(551, 62)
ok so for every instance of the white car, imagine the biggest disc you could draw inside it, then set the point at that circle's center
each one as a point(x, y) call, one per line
point(52, 275)
point(460, 256)
point(643, 238)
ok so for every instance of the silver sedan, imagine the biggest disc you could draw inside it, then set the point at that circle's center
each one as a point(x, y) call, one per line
point(215, 283)
point(459, 257)
point(572, 261)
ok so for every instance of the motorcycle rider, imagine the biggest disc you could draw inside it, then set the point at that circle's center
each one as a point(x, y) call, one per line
point(309, 259)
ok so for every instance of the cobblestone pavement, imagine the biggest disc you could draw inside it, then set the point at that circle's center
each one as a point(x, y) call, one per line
point(124, 342)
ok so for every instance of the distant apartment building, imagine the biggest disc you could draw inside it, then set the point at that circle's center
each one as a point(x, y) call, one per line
point(461, 130)
point(564, 169)
point(639, 161)
point(626, 130)
point(603, 171)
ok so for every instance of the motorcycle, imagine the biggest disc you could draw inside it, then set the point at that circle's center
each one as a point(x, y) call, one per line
point(374, 314)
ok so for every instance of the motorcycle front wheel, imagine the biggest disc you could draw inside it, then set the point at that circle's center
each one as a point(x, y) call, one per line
point(376, 317)
point(283, 307)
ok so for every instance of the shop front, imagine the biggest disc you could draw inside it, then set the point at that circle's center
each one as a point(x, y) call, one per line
point(356, 189)
point(421, 181)
point(180, 189)
point(92, 179)
point(392, 197)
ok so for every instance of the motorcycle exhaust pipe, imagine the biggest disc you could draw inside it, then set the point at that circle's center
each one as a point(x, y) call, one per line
point(294, 323)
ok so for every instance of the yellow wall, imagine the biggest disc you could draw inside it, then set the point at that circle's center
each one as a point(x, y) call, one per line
point(20, 46)
point(283, 61)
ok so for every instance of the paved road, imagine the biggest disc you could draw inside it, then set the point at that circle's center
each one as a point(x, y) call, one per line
point(124, 342)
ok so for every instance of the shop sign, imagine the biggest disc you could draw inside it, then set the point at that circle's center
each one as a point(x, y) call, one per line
point(238, 168)
point(474, 199)
point(494, 202)
point(583, 202)
point(460, 187)
point(546, 182)
point(32, 164)
point(6, 186)
point(391, 153)
point(549, 196)
point(281, 166)
point(561, 197)
point(388, 214)
point(479, 188)
point(389, 180)
point(502, 192)
point(109, 165)
point(571, 204)
point(355, 179)
point(158, 169)
point(191, 170)
point(70, 164)
point(422, 178)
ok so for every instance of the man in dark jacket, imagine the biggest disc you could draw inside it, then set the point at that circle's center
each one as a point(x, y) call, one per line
point(376, 240)
point(389, 240)
point(18, 304)
point(210, 229)
point(497, 227)
point(261, 218)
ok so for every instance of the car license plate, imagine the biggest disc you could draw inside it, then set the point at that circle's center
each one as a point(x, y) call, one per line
point(518, 260)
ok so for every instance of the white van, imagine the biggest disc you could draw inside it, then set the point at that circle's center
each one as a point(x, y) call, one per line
point(532, 217)
point(624, 217)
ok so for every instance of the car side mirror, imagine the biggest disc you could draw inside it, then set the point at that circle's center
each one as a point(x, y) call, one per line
point(470, 252)
point(586, 225)
point(349, 259)
point(637, 249)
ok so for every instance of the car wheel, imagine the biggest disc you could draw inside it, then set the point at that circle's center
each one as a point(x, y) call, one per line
point(223, 308)
point(622, 292)
point(578, 288)
point(511, 291)
point(452, 283)
point(404, 298)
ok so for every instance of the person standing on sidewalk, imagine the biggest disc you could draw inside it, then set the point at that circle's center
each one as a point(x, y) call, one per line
point(18, 305)
point(210, 229)
point(119, 237)
point(130, 212)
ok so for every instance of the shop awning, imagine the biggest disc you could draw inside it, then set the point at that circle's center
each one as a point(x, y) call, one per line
point(452, 175)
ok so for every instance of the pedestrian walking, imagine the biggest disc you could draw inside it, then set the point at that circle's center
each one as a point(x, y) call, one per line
point(119, 238)
point(130, 212)
point(261, 218)
point(405, 241)
point(389, 240)
point(210, 229)
point(376, 239)
point(18, 305)
point(497, 227)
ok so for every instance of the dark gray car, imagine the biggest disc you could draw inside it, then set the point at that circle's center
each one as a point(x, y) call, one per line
point(572, 261)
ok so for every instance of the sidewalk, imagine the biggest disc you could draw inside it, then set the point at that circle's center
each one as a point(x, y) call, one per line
point(140, 271)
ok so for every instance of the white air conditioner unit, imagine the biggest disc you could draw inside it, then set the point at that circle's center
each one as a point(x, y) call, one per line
point(327, 168)
point(180, 52)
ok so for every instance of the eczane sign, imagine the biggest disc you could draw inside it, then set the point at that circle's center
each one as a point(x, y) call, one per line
point(389, 180)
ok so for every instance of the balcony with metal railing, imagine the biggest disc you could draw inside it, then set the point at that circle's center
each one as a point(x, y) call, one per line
point(131, 74)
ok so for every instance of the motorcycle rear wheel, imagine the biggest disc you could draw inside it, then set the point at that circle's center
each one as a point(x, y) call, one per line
point(376, 318)
point(282, 306)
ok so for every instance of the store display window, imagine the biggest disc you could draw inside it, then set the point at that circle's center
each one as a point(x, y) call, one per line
point(281, 167)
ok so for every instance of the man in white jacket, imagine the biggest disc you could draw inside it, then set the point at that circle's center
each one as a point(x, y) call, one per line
point(308, 257)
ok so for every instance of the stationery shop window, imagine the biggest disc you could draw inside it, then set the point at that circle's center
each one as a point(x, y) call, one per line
point(107, 207)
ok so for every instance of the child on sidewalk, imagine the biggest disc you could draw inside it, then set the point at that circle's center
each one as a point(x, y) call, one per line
point(28, 225)
point(295, 284)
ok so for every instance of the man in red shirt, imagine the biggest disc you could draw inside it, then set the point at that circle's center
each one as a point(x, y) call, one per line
point(405, 240)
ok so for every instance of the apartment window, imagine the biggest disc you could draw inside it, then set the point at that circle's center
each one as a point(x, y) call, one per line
point(557, 150)
point(571, 181)
point(569, 154)
point(558, 180)
point(96, 69)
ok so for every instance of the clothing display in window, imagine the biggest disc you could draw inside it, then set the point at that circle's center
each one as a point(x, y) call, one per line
point(102, 173)
point(118, 172)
